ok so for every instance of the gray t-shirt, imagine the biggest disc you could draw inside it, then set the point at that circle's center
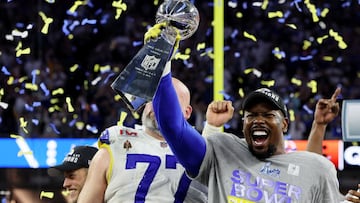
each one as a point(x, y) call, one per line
point(233, 174)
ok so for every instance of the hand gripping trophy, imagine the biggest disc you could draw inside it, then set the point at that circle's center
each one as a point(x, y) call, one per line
point(137, 83)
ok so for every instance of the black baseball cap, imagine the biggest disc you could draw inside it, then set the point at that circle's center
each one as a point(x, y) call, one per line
point(78, 157)
point(265, 95)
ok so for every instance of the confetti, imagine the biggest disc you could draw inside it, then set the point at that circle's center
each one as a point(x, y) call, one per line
point(247, 35)
point(48, 195)
point(23, 124)
point(47, 22)
point(70, 107)
point(123, 115)
point(268, 83)
point(76, 4)
point(120, 7)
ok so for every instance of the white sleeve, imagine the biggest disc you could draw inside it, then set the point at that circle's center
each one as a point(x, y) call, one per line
point(210, 130)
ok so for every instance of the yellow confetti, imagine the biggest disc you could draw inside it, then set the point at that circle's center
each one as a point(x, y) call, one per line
point(74, 68)
point(16, 136)
point(51, 109)
point(135, 115)
point(338, 38)
point(210, 54)
point(54, 100)
point(291, 114)
point(187, 51)
point(22, 79)
point(48, 195)
point(156, 2)
point(241, 92)
point(248, 70)
point(58, 91)
point(80, 125)
point(312, 10)
point(181, 56)
point(324, 12)
point(30, 86)
point(306, 44)
point(321, 39)
point(239, 15)
point(277, 53)
point(275, 14)
point(120, 7)
point(200, 46)
point(296, 81)
point(122, 118)
point(86, 85)
point(96, 68)
point(18, 46)
point(54, 108)
point(313, 85)
point(293, 26)
point(20, 52)
point(11, 80)
point(76, 5)
point(247, 35)
point(268, 83)
point(265, 4)
point(328, 58)
point(105, 68)
point(68, 102)
point(23, 124)
point(47, 22)
point(117, 97)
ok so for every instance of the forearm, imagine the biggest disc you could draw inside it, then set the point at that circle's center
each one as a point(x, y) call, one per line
point(210, 129)
point(186, 143)
point(316, 137)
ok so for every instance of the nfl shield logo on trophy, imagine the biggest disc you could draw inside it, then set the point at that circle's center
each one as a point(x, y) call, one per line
point(150, 62)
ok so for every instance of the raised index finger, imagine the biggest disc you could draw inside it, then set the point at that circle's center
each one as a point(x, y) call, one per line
point(336, 94)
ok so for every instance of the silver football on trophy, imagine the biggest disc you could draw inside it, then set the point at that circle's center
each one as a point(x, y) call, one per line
point(181, 14)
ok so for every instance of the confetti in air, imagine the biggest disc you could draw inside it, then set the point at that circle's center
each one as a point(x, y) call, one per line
point(47, 22)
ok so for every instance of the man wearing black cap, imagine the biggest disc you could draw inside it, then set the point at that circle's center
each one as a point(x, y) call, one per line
point(74, 168)
point(253, 169)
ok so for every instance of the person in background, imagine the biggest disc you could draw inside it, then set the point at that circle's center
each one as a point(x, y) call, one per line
point(74, 168)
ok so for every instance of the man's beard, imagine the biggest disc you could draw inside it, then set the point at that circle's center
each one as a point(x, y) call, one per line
point(271, 150)
point(150, 124)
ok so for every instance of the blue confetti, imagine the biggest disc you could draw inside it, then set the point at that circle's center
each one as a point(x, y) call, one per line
point(5, 71)
point(137, 43)
point(44, 89)
point(306, 58)
point(35, 121)
point(64, 27)
point(29, 108)
point(36, 104)
point(53, 127)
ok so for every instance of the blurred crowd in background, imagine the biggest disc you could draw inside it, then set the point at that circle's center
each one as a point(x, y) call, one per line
point(58, 59)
